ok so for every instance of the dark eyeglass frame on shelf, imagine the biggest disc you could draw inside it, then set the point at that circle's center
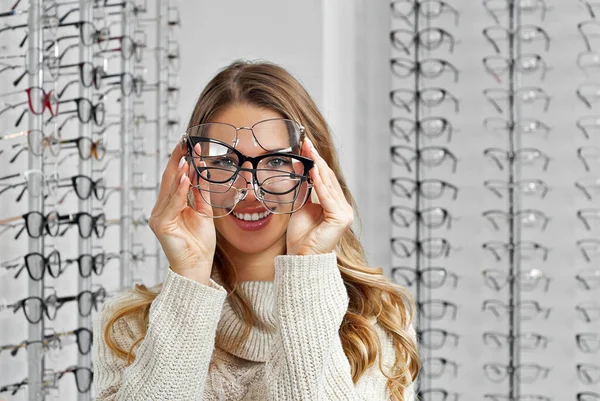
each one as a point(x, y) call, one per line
point(421, 97)
point(419, 185)
point(504, 370)
point(519, 246)
point(497, 279)
point(444, 335)
point(398, 218)
point(588, 342)
point(82, 387)
point(420, 275)
point(522, 64)
point(419, 127)
point(440, 8)
point(418, 156)
point(592, 152)
point(97, 225)
point(487, 33)
point(536, 214)
point(527, 126)
point(417, 38)
point(581, 28)
point(443, 364)
point(403, 67)
point(447, 305)
point(35, 228)
point(494, 95)
point(523, 7)
point(526, 183)
point(527, 341)
point(495, 306)
point(523, 155)
point(418, 247)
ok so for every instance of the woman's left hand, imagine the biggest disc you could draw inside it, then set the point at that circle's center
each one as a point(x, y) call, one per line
point(317, 228)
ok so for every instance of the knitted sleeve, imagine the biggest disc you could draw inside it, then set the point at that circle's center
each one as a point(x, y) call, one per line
point(172, 361)
point(308, 361)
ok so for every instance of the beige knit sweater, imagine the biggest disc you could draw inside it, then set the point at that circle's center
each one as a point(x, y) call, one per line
point(192, 349)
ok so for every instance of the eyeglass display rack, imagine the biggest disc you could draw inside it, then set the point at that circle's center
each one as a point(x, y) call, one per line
point(39, 376)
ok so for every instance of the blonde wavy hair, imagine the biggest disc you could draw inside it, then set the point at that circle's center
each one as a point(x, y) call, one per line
point(371, 294)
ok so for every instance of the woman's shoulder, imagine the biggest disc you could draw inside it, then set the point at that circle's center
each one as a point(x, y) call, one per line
point(125, 328)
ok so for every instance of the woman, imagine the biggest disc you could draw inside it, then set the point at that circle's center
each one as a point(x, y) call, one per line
point(257, 305)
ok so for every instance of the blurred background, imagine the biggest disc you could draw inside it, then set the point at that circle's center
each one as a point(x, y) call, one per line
point(468, 132)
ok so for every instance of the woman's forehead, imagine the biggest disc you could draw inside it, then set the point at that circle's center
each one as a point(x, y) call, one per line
point(244, 115)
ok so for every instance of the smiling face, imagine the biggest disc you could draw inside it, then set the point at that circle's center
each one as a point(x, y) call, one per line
point(240, 230)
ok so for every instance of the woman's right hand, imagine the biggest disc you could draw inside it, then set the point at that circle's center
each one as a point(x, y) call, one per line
point(187, 238)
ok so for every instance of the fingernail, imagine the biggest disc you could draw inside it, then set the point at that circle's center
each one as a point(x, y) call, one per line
point(181, 162)
point(312, 147)
point(182, 178)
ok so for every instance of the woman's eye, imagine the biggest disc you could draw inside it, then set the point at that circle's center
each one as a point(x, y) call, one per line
point(278, 162)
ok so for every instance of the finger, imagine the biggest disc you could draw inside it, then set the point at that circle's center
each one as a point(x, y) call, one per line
point(169, 188)
point(178, 200)
point(170, 171)
point(327, 175)
point(201, 194)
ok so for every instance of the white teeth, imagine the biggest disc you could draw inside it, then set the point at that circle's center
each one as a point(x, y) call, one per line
point(251, 217)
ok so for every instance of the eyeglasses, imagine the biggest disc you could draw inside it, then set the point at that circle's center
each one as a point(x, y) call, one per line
point(588, 396)
point(588, 125)
point(431, 277)
point(588, 311)
point(429, 97)
point(524, 156)
point(430, 127)
point(527, 95)
point(86, 300)
point(588, 93)
point(588, 30)
point(436, 338)
point(85, 186)
point(526, 34)
point(433, 217)
point(588, 214)
point(37, 264)
point(429, 156)
point(525, 126)
point(37, 141)
point(35, 308)
point(431, 248)
point(525, 373)
point(525, 250)
point(88, 263)
point(589, 279)
point(437, 394)
point(436, 367)
point(83, 377)
point(89, 34)
point(526, 397)
point(529, 187)
point(428, 38)
point(530, 63)
point(38, 100)
point(86, 147)
point(526, 341)
point(589, 186)
point(279, 180)
point(86, 110)
point(526, 218)
point(497, 7)
point(429, 9)
point(36, 223)
point(588, 373)
point(35, 182)
point(437, 309)
point(428, 188)
point(588, 342)
point(128, 47)
point(89, 75)
point(128, 83)
point(430, 68)
point(529, 279)
point(528, 310)
point(82, 335)
point(589, 248)
point(85, 222)
point(584, 153)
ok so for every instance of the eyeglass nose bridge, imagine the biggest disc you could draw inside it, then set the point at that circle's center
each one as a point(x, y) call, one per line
point(237, 137)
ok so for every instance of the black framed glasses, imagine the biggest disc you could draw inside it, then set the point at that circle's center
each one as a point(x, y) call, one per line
point(588, 396)
point(86, 111)
point(89, 74)
point(428, 97)
point(528, 187)
point(86, 223)
point(429, 127)
point(34, 308)
point(85, 147)
point(83, 377)
point(435, 339)
point(88, 263)
point(406, 40)
point(37, 264)
point(432, 217)
point(83, 338)
point(527, 64)
point(430, 277)
point(427, 188)
point(529, 279)
point(437, 309)
point(430, 248)
point(429, 9)
point(429, 68)
point(524, 156)
point(525, 373)
point(526, 218)
point(525, 95)
point(36, 224)
point(280, 180)
point(588, 342)
point(85, 186)
point(525, 250)
point(86, 301)
point(428, 156)
point(528, 310)
point(89, 34)
point(526, 341)
point(527, 34)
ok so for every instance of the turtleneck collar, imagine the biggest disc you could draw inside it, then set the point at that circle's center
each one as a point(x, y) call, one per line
point(261, 298)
